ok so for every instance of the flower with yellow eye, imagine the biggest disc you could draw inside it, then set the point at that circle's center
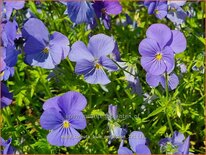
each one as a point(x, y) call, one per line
point(63, 116)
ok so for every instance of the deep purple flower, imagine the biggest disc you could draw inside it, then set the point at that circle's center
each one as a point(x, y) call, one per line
point(80, 11)
point(154, 80)
point(8, 149)
point(41, 48)
point(137, 142)
point(176, 14)
point(63, 116)
point(6, 96)
point(179, 147)
point(92, 60)
point(157, 7)
point(9, 5)
point(158, 49)
point(104, 9)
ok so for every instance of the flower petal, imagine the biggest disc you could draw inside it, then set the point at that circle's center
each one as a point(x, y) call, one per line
point(173, 81)
point(142, 149)
point(64, 137)
point(160, 33)
point(184, 148)
point(101, 45)
point(179, 42)
point(79, 52)
point(136, 138)
point(59, 40)
point(11, 56)
point(168, 58)
point(51, 103)
point(84, 67)
point(98, 76)
point(124, 150)
point(36, 29)
point(148, 47)
point(112, 7)
point(40, 59)
point(80, 11)
point(77, 120)
point(72, 102)
point(51, 119)
point(153, 80)
point(108, 63)
point(162, 10)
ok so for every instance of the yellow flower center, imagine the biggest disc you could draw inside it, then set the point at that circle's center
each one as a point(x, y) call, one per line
point(66, 124)
point(1, 74)
point(46, 50)
point(158, 56)
point(156, 12)
point(97, 66)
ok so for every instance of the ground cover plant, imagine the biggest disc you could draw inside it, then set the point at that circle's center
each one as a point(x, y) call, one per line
point(102, 77)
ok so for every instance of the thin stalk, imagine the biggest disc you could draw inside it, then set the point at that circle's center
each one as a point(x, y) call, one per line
point(167, 97)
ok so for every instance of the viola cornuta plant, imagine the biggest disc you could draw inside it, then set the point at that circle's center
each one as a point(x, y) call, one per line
point(102, 77)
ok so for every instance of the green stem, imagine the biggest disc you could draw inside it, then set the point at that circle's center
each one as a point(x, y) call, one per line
point(123, 68)
point(167, 97)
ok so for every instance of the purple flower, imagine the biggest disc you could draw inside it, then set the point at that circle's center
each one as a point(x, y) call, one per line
point(133, 81)
point(158, 49)
point(176, 14)
point(9, 5)
point(41, 48)
point(9, 33)
point(80, 11)
point(154, 80)
point(179, 147)
point(92, 60)
point(63, 116)
point(6, 96)
point(104, 9)
point(8, 149)
point(115, 129)
point(112, 111)
point(137, 142)
point(157, 7)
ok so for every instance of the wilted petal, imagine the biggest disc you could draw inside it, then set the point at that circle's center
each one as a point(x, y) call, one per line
point(101, 45)
point(148, 47)
point(108, 63)
point(77, 120)
point(64, 137)
point(72, 102)
point(124, 150)
point(179, 42)
point(79, 52)
point(98, 76)
point(142, 149)
point(51, 119)
point(160, 33)
point(153, 80)
point(136, 138)
point(80, 11)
